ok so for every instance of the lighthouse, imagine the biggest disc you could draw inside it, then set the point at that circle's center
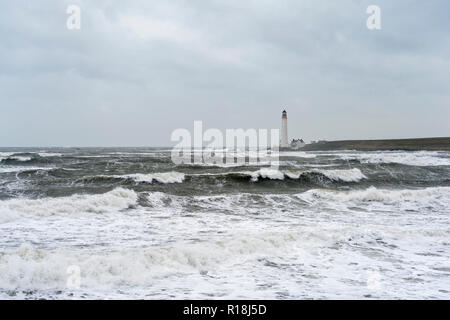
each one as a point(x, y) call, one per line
point(284, 132)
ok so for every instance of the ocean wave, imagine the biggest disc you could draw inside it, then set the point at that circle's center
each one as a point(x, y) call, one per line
point(266, 173)
point(235, 204)
point(297, 154)
point(420, 158)
point(226, 165)
point(13, 158)
point(28, 267)
point(317, 175)
point(419, 200)
point(438, 195)
point(160, 177)
point(344, 175)
point(25, 158)
point(49, 154)
point(9, 169)
point(245, 203)
point(115, 200)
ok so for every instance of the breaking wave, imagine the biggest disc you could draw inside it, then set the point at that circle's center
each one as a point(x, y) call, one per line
point(120, 199)
point(115, 200)
point(424, 200)
point(297, 154)
point(420, 158)
point(28, 267)
point(9, 169)
point(49, 154)
point(10, 158)
point(160, 177)
point(344, 175)
point(15, 158)
point(436, 195)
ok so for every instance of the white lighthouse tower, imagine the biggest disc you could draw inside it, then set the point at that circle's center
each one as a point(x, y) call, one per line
point(284, 132)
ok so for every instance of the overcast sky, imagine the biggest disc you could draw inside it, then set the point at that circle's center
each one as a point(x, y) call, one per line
point(137, 70)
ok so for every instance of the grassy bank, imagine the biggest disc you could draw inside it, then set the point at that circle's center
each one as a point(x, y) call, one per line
point(371, 145)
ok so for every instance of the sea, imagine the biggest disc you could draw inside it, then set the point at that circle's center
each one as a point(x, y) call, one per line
point(128, 223)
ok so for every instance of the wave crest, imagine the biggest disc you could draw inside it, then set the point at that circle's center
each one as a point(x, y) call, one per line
point(161, 177)
point(344, 175)
point(29, 267)
point(420, 158)
point(115, 200)
point(373, 194)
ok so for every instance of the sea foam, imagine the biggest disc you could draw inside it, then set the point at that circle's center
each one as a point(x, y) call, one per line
point(345, 175)
point(420, 158)
point(30, 267)
point(372, 194)
point(161, 177)
point(77, 204)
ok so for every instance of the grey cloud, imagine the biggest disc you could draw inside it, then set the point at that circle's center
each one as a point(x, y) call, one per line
point(138, 70)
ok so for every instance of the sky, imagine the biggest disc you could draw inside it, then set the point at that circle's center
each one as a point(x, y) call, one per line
point(137, 70)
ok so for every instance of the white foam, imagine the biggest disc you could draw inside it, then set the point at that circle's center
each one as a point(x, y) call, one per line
point(346, 175)
point(49, 154)
point(29, 267)
point(221, 165)
point(162, 252)
point(420, 158)
point(161, 177)
point(11, 156)
point(114, 200)
point(373, 194)
point(4, 155)
point(298, 154)
point(8, 169)
point(267, 173)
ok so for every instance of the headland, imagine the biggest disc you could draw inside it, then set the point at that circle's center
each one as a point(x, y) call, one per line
point(431, 144)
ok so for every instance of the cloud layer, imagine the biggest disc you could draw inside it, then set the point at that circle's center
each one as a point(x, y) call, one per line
point(138, 70)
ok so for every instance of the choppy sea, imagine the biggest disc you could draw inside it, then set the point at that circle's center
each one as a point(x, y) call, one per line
point(128, 223)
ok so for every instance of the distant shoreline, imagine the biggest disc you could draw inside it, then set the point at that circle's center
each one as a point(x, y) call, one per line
point(426, 144)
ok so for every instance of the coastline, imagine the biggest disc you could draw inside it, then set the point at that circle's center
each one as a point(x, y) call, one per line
point(418, 144)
